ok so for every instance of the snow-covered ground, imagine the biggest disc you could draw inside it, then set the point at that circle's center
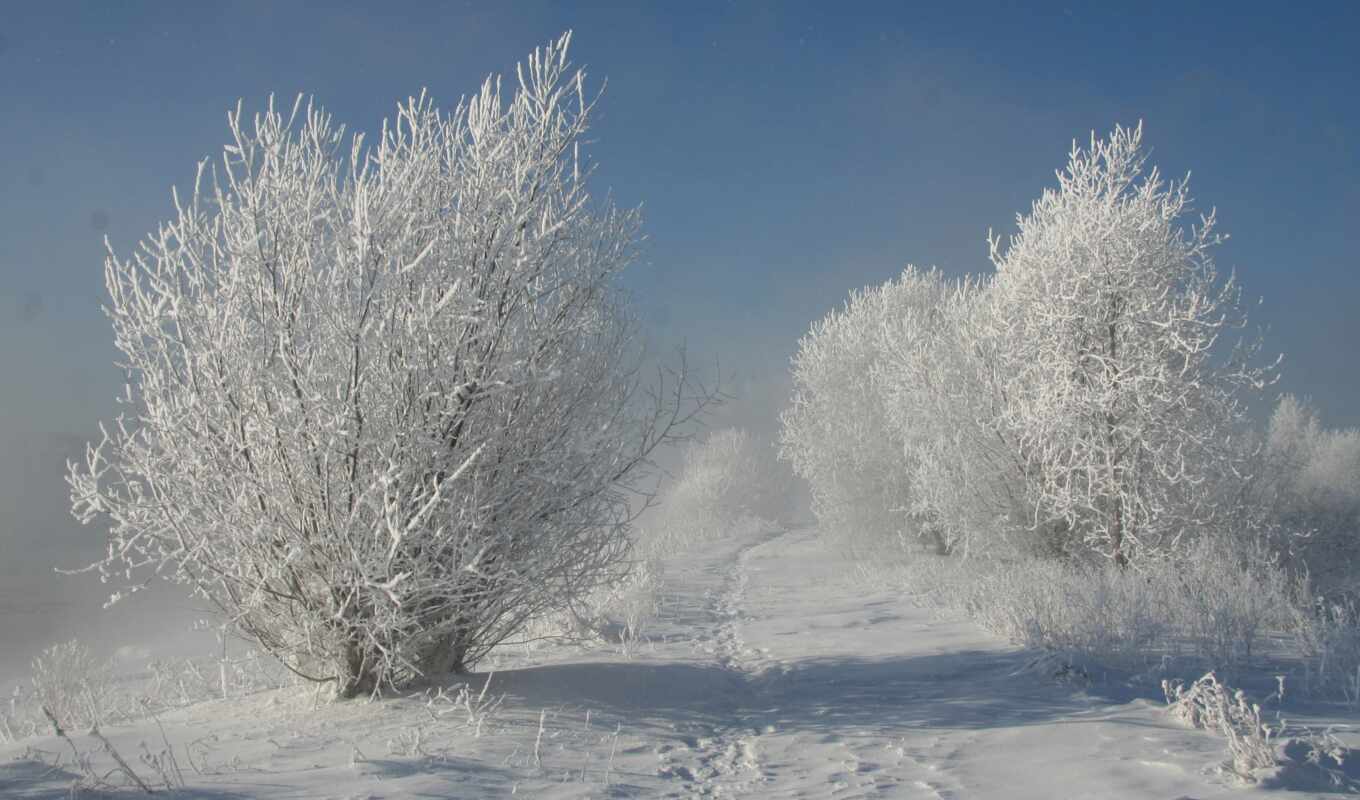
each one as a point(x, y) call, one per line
point(772, 672)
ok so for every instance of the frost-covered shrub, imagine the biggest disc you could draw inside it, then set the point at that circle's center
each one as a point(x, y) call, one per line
point(724, 476)
point(81, 689)
point(1327, 635)
point(383, 403)
point(636, 601)
point(938, 372)
point(769, 487)
point(1210, 606)
point(1226, 598)
point(1092, 614)
point(1309, 492)
point(838, 433)
point(1212, 706)
point(183, 681)
point(1086, 399)
point(726, 481)
point(73, 685)
point(621, 613)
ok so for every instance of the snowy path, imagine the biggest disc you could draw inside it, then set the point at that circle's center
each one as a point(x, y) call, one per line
point(773, 674)
point(848, 692)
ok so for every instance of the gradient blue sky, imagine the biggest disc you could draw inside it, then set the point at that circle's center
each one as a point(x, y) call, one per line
point(784, 152)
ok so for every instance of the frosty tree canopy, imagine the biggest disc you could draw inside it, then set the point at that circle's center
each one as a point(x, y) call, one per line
point(383, 399)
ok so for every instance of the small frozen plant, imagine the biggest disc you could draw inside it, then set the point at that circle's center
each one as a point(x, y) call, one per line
point(638, 604)
point(476, 707)
point(16, 720)
point(620, 613)
point(123, 773)
point(1324, 748)
point(409, 743)
point(1210, 705)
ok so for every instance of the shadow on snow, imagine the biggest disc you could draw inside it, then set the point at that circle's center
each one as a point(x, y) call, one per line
point(963, 690)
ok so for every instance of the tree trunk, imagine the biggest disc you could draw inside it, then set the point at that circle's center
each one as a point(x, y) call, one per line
point(359, 678)
point(1112, 441)
point(941, 545)
point(1117, 535)
point(447, 654)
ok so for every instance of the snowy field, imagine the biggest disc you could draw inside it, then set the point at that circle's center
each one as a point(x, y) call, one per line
point(772, 671)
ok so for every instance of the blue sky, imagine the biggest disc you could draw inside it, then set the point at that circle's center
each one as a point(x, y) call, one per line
point(784, 152)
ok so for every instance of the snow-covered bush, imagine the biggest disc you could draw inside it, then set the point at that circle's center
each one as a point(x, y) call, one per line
point(1226, 599)
point(1088, 615)
point(183, 681)
point(724, 481)
point(838, 433)
point(745, 474)
point(1327, 635)
point(1086, 399)
point(718, 477)
point(1210, 705)
point(82, 690)
point(1209, 608)
point(621, 613)
point(383, 400)
point(72, 685)
point(938, 376)
point(1309, 488)
point(475, 707)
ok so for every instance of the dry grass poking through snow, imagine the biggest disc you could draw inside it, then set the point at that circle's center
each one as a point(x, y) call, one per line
point(1269, 755)
point(1208, 611)
point(72, 688)
point(1214, 612)
point(1327, 636)
point(1210, 705)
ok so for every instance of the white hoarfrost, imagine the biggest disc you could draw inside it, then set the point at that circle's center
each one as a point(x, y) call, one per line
point(1124, 377)
point(383, 400)
point(838, 433)
point(1087, 398)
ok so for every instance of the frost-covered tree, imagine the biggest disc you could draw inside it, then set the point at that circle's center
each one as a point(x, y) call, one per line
point(1087, 397)
point(837, 433)
point(895, 420)
point(727, 482)
point(383, 403)
point(730, 474)
point(939, 377)
point(1309, 493)
point(1124, 370)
